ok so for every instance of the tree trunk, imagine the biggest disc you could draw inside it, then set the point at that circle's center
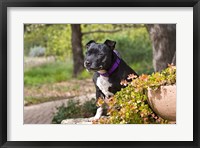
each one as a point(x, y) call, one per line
point(163, 39)
point(77, 49)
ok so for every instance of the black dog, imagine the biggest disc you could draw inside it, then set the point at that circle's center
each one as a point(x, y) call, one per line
point(109, 69)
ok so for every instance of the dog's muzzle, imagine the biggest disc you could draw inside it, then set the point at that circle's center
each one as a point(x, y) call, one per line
point(88, 66)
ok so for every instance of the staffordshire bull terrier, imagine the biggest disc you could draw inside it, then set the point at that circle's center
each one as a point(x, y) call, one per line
point(109, 69)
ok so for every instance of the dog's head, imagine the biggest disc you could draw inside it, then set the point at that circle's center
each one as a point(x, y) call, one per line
point(99, 56)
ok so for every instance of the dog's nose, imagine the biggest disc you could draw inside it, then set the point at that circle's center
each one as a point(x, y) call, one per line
point(87, 63)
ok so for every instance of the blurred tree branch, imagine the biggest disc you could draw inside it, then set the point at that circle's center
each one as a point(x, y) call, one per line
point(117, 27)
point(101, 31)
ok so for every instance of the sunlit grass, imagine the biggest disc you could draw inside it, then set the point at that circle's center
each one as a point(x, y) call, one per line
point(48, 73)
point(52, 73)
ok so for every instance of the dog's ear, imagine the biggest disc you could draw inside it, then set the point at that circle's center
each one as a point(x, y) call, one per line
point(110, 44)
point(89, 43)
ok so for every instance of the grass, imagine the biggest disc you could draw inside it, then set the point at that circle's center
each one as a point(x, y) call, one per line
point(47, 73)
point(51, 73)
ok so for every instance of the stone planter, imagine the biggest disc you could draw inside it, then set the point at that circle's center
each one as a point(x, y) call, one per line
point(163, 102)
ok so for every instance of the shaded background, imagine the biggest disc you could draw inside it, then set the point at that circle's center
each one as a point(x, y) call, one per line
point(53, 63)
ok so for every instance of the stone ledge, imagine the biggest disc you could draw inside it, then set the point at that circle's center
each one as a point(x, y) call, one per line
point(77, 121)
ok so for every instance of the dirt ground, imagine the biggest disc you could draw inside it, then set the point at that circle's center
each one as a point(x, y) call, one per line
point(57, 91)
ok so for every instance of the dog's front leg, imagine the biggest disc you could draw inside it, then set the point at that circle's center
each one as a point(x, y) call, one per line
point(97, 115)
point(99, 111)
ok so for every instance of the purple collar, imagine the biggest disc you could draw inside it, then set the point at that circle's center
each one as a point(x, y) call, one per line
point(114, 66)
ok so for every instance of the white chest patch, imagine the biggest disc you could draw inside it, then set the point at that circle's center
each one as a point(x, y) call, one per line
point(103, 84)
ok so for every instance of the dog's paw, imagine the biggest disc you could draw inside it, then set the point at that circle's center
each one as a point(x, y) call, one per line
point(93, 118)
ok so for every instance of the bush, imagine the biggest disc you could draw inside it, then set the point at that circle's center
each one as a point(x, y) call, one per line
point(75, 110)
point(37, 51)
point(130, 106)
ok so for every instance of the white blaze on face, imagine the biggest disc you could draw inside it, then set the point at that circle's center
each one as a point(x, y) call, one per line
point(104, 84)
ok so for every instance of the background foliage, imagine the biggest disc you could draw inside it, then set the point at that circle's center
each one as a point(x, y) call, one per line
point(133, 42)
